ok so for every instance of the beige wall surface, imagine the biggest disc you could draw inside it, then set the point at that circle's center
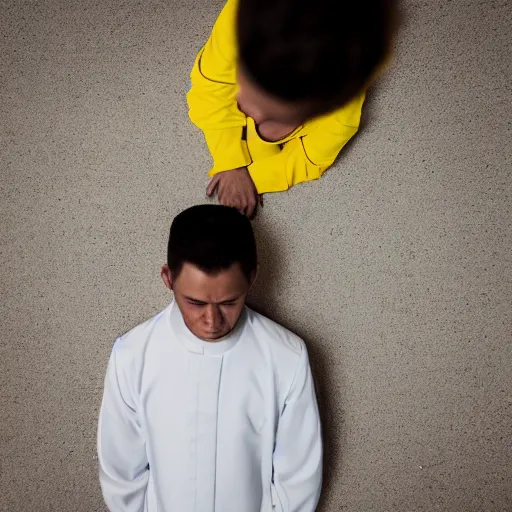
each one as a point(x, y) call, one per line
point(395, 267)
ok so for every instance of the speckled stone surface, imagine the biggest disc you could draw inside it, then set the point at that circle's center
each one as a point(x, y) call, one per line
point(395, 267)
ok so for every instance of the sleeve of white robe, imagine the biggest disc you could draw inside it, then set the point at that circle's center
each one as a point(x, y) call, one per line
point(298, 449)
point(124, 471)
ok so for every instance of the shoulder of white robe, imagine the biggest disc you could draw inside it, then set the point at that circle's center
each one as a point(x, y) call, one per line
point(275, 331)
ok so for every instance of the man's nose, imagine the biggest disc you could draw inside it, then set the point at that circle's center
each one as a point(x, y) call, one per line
point(213, 317)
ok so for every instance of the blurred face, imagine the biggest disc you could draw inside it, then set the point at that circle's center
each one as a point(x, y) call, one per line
point(256, 103)
point(210, 304)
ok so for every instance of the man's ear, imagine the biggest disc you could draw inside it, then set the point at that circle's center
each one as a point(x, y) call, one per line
point(166, 275)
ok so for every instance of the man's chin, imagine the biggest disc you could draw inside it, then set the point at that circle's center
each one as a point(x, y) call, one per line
point(214, 336)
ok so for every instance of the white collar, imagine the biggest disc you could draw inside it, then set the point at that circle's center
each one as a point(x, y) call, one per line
point(198, 346)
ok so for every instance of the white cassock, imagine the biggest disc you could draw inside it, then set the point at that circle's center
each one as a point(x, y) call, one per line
point(193, 426)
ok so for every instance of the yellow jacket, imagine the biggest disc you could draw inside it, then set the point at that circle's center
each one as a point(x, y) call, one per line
point(274, 166)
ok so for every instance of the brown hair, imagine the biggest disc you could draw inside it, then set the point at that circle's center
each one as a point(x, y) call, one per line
point(323, 52)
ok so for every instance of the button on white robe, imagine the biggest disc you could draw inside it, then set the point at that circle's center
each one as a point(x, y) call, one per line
point(193, 426)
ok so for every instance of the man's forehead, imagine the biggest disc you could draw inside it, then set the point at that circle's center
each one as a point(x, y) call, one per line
point(221, 286)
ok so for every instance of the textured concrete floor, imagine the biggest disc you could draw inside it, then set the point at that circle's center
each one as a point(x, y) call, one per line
point(395, 267)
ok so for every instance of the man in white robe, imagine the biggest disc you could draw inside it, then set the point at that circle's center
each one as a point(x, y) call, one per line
point(209, 406)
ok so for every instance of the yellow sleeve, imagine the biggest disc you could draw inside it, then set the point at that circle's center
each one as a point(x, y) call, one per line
point(306, 158)
point(212, 97)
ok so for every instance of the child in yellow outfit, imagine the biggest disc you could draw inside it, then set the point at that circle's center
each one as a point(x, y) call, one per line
point(278, 90)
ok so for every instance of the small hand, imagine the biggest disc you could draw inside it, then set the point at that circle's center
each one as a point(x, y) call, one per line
point(235, 188)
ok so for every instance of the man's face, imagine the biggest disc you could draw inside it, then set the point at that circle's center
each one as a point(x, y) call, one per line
point(256, 103)
point(211, 304)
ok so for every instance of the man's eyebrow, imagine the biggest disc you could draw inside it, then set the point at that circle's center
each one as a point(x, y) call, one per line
point(191, 299)
point(197, 301)
point(233, 299)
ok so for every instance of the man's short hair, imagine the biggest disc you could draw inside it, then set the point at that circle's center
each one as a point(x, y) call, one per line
point(213, 238)
point(321, 52)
